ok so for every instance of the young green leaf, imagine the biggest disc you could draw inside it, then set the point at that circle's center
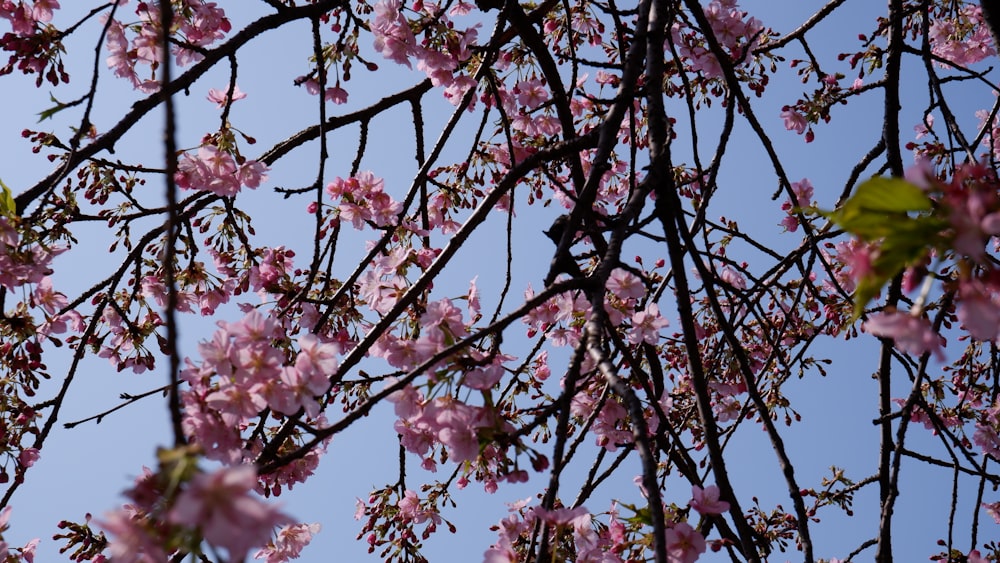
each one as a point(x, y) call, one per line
point(8, 208)
point(880, 212)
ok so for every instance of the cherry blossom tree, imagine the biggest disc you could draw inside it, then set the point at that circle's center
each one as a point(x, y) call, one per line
point(633, 327)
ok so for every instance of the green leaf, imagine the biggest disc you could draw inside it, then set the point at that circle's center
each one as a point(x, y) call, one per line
point(906, 243)
point(890, 195)
point(8, 207)
point(881, 213)
point(877, 206)
point(42, 116)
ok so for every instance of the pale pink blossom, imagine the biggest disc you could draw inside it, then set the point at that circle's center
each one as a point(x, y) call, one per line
point(222, 506)
point(483, 378)
point(646, 325)
point(130, 541)
point(993, 509)
point(41, 10)
point(794, 121)
point(336, 94)
point(393, 36)
point(979, 310)
point(706, 501)
point(47, 298)
point(28, 457)
point(531, 93)
point(220, 97)
point(21, 17)
point(923, 129)
point(912, 335)
point(684, 543)
point(964, 39)
point(625, 285)
point(288, 543)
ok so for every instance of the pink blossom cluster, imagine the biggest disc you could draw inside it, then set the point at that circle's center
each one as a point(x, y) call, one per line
point(447, 421)
point(600, 543)
point(610, 426)
point(272, 271)
point(592, 545)
point(33, 41)
point(362, 198)
point(215, 170)
point(22, 264)
point(288, 543)
point(803, 193)
point(560, 318)
point(963, 39)
point(970, 205)
point(123, 343)
point(816, 107)
point(23, 17)
point(393, 514)
point(243, 372)
point(736, 33)
point(199, 23)
point(201, 296)
point(220, 507)
point(850, 261)
point(986, 435)
point(441, 52)
point(381, 286)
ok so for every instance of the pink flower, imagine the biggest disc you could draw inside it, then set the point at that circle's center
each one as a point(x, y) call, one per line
point(130, 542)
point(924, 129)
point(911, 334)
point(237, 402)
point(21, 19)
point(684, 544)
point(393, 36)
point(28, 551)
point(733, 278)
point(28, 457)
point(993, 509)
point(336, 95)
point(803, 191)
point(42, 10)
point(5, 518)
point(979, 311)
point(531, 93)
point(483, 378)
point(794, 121)
point(220, 504)
point(409, 508)
point(220, 96)
point(986, 436)
point(289, 543)
point(706, 501)
point(48, 299)
point(318, 361)
point(963, 40)
point(646, 325)
point(625, 285)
